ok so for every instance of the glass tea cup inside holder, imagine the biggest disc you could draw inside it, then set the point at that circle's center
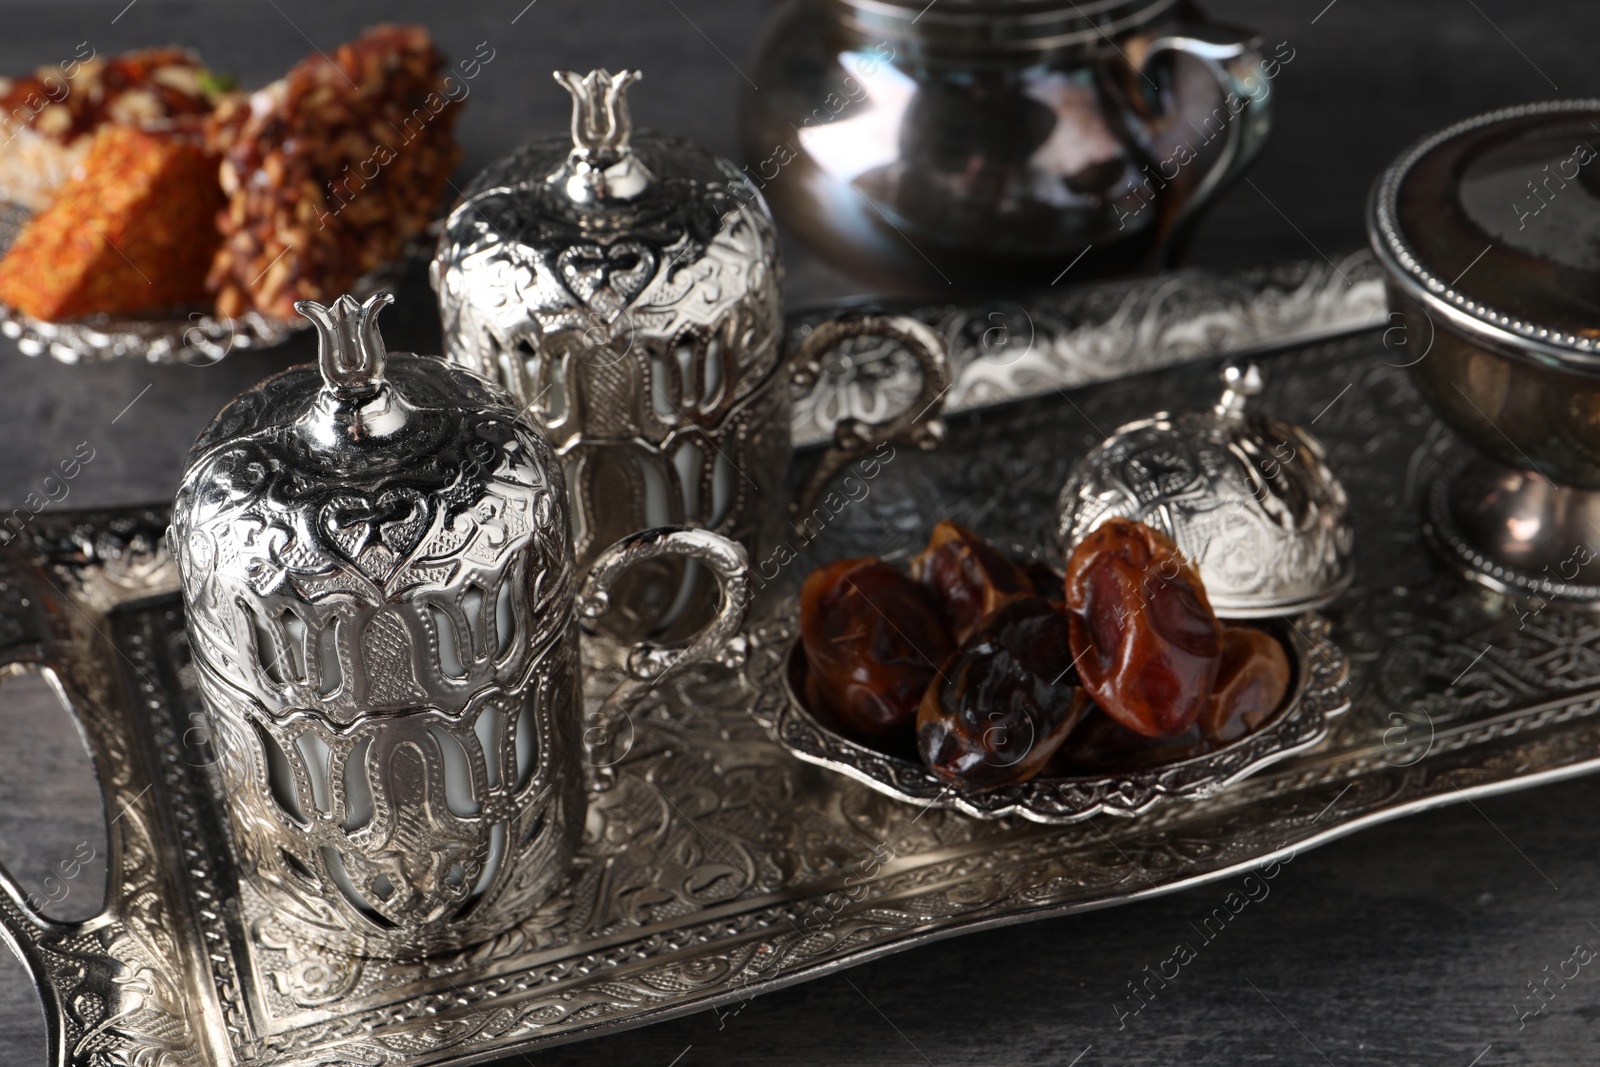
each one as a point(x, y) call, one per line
point(381, 599)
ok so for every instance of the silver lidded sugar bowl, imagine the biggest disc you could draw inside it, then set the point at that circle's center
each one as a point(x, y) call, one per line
point(626, 288)
point(1249, 499)
point(379, 585)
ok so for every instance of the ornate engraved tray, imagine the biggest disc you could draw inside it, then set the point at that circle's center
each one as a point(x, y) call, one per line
point(716, 866)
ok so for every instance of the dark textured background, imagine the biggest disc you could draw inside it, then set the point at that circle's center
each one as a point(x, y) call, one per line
point(1405, 944)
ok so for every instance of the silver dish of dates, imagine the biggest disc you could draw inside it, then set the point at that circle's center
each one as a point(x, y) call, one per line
point(1320, 690)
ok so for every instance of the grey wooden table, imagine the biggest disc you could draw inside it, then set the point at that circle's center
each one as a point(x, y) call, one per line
point(1411, 943)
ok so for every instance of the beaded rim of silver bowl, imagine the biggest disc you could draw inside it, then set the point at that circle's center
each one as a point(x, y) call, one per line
point(1406, 268)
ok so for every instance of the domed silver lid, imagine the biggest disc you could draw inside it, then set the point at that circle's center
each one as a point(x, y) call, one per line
point(377, 531)
point(1248, 499)
point(612, 243)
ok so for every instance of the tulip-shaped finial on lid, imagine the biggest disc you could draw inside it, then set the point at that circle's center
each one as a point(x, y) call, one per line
point(350, 350)
point(356, 404)
point(602, 164)
point(1242, 380)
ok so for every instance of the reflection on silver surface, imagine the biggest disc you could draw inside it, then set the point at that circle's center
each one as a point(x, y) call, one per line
point(1248, 499)
point(1517, 532)
point(1321, 691)
point(982, 147)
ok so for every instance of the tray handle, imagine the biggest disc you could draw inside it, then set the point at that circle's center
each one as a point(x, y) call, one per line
point(27, 933)
point(113, 983)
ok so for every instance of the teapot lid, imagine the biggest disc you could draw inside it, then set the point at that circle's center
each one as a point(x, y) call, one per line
point(1249, 499)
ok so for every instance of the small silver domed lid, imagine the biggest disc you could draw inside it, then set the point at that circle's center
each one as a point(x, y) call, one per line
point(1249, 500)
point(378, 531)
point(612, 240)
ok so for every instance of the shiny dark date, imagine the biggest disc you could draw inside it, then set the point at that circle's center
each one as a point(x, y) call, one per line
point(999, 711)
point(968, 576)
point(1251, 684)
point(1146, 641)
point(873, 640)
point(1101, 745)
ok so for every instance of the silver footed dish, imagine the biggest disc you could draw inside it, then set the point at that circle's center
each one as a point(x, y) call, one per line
point(1319, 692)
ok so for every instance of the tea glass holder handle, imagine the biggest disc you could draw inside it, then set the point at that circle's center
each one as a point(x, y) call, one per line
point(918, 424)
point(608, 734)
point(1233, 57)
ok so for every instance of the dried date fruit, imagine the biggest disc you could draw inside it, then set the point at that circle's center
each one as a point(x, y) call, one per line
point(1252, 682)
point(873, 640)
point(1101, 745)
point(1004, 705)
point(1146, 641)
point(968, 576)
point(1046, 582)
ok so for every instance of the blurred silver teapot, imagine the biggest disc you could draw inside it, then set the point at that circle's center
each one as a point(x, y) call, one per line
point(988, 144)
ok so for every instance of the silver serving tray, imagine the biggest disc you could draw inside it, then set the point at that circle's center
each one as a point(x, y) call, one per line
point(1320, 691)
point(717, 866)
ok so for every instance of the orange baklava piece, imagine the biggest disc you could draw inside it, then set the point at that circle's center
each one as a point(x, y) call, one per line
point(133, 230)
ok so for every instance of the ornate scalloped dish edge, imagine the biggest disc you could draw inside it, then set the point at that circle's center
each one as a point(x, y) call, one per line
point(1322, 692)
point(100, 337)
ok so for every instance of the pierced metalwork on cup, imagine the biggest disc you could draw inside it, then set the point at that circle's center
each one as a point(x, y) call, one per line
point(380, 590)
point(378, 575)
